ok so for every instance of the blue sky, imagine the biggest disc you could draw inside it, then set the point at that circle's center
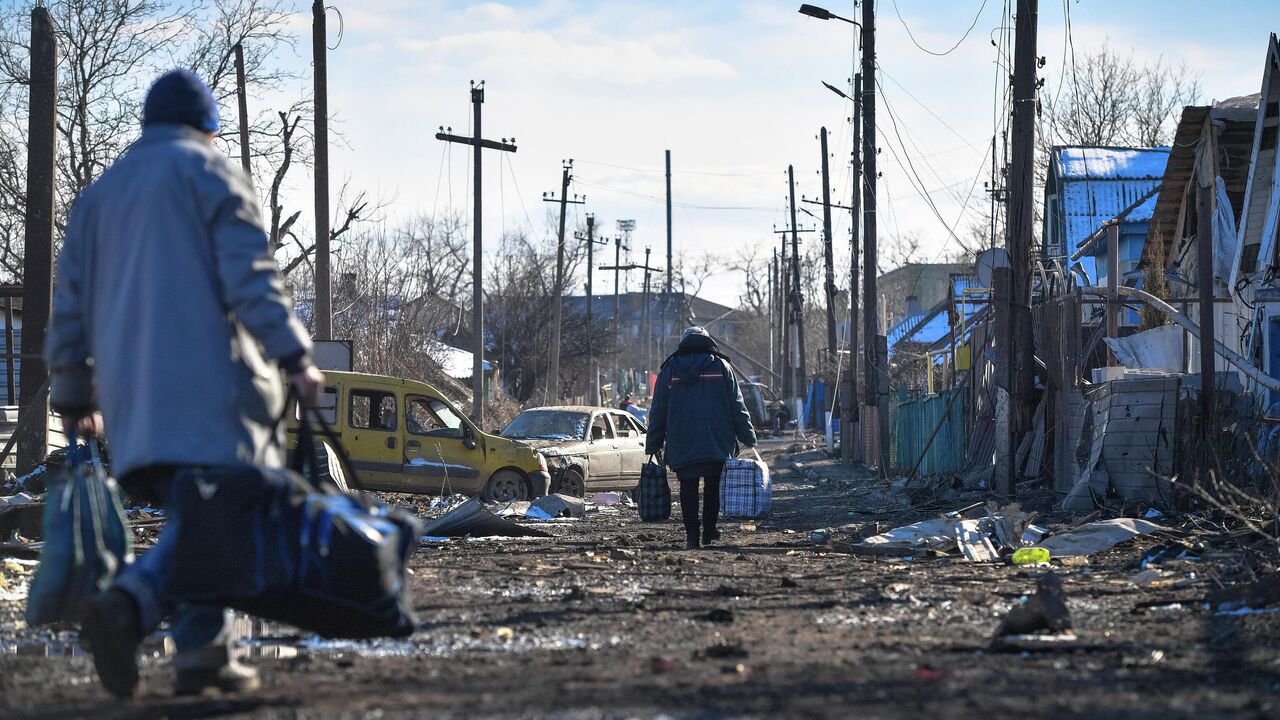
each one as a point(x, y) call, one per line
point(731, 88)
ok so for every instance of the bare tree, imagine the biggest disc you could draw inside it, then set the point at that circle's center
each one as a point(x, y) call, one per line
point(110, 50)
point(1110, 99)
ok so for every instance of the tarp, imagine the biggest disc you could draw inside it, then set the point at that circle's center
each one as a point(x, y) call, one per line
point(474, 519)
point(1156, 349)
point(1096, 537)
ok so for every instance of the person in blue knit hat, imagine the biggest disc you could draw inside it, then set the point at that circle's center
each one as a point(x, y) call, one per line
point(169, 323)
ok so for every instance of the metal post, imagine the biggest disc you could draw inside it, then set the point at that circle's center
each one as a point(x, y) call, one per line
point(1113, 285)
point(243, 103)
point(10, 381)
point(37, 271)
point(553, 373)
point(324, 293)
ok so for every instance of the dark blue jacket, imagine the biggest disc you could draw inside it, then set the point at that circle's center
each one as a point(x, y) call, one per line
point(697, 411)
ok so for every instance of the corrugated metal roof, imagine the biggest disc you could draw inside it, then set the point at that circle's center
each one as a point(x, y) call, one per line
point(1108, 163)
point(932, 330)
point(903, 327)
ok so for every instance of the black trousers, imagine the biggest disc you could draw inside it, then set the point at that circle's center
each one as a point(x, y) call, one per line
point(709, 473)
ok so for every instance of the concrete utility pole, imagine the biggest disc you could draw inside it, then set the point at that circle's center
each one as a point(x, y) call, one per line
point(828, 257)
point(37, 269)
point(590, 238)
point(871, 316)
point(242, 101)
point(553, 372)
point(324, 291)
point(1018, 232)
point(797, 306)
point(666, 303)
point(477, 143)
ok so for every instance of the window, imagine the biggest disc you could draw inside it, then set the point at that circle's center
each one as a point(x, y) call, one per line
point(372, 410)
point(431, 416)
point(626, 426)
point(600, 428)
point(327, 409)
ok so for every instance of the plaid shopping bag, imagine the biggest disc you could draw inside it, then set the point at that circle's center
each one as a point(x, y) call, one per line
point(653, 494)
point(745, 490)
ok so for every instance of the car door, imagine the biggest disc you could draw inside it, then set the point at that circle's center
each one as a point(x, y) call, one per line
point(437, 455)
point(631, 438)
point(373, 437)
point(602, 452)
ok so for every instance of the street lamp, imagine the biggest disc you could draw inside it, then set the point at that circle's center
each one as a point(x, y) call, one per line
point(835, 90)
point(818, 13)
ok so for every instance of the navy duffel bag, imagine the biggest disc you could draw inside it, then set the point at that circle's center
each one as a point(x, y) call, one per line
point(274, 545)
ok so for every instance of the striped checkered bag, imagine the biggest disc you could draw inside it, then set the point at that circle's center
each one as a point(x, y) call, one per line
point(745, 490)
point(653, 494)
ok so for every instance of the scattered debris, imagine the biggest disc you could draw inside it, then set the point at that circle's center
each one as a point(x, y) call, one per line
point(472, 518)
point(606, 498)
point(719, 615)
point(1030, 556)
point(1248, 596)
point(1044, 611)
point(1096, 537)
point(561, 505)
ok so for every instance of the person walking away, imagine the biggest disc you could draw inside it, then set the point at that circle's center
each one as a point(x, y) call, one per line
point(699, 416)
point(170, 319)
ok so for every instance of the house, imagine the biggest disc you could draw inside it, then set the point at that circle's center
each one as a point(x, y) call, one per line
point(1088, 187)
point(914, 288)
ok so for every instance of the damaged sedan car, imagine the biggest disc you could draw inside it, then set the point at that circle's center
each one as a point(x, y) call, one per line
point(586, 448)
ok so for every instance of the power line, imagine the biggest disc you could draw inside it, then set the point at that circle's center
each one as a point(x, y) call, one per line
point(690, 206)
point(677, 172)
point(953, 47)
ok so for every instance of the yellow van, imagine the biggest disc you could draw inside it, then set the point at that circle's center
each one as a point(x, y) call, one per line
point(404, 436)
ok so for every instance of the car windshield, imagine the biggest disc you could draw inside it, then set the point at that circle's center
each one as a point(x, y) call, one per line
point(547, 425)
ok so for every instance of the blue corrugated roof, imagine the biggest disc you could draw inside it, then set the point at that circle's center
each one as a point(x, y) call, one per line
point(903, 327)
point(1098, 184)
point(1105, 163)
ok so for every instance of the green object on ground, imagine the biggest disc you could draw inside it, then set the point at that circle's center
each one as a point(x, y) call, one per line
point(1030, 556)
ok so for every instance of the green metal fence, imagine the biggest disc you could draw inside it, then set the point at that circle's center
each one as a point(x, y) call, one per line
point(915, 421)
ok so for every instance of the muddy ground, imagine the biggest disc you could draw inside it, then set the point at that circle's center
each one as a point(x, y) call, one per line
point(613, 619)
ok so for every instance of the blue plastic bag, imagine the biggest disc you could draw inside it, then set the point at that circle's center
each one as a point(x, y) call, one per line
point(86, 540)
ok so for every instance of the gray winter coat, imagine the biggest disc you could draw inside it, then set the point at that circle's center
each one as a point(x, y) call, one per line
point(698, 414)
point(168, 303)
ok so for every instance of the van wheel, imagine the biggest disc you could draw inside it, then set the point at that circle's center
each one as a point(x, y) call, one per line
point(505, 486)
point(572, 483)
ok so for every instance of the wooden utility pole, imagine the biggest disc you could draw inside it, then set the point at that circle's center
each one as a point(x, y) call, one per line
point(324, 290)
point(828, 256)
point(871, 317)
point(553, 372)
point(477, 143)
point(1206, 189)
point(770, 308)
point(799, 377)
point(242, 101)
point(851, 448)
point(1018, 230)
point(667, 299)
point(590, 238)
point(37, 269)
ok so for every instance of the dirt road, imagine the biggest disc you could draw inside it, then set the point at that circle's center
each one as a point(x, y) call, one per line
point(610, 619)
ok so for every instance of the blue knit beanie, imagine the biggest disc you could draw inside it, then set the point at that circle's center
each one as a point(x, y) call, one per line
point(179, 97)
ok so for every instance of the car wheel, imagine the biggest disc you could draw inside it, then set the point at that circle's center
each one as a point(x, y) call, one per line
point(572, 483)
point(505, 486)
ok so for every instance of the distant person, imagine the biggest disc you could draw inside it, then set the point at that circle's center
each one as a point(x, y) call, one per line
point(699, 416)
point(169, 316)
point(629, 405)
